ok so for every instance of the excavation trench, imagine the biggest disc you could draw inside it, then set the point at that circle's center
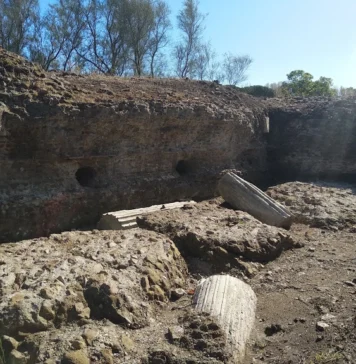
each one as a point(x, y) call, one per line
point(69, 152)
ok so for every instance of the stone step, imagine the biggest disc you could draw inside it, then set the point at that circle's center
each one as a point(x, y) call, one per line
point(150, 209)
point(129, 225)
point(126, 219)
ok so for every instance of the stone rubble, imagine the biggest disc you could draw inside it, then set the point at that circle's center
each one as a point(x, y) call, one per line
point(226, 238)
point(126, 296)
point(319, 204)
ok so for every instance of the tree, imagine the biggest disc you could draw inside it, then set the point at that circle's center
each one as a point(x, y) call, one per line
point(59, 36)
point(17, 24)
point(323, 87)
point(124, 36)
point(259, 91)
point(190, 23)
point(277, 88)
point(159, 37)
point(140, 23)
point(116, 37)
point(347, 92)
point(215, 72)
point(235, 67)
point(46, 49)
point(105, 48)
point(300, 83)
point(204, 61)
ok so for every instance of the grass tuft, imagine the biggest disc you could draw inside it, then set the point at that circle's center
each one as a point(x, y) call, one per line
point(326, 358)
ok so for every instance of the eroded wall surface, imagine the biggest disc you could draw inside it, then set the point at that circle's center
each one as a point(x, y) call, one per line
point(312, 139)
point(73, 147)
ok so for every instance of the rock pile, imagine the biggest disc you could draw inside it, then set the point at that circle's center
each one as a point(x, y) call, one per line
point(75, 289)
point(322, 205)
point(224, 237)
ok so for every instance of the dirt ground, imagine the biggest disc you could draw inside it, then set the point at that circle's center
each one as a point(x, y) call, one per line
point(306, 296)
point(306, 310)
point(307, 302)
point(85, 297)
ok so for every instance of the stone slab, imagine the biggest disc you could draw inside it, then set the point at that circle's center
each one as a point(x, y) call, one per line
point(126, 219)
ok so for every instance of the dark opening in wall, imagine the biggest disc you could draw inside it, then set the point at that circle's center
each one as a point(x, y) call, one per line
point(182, 167)
point(85, 176)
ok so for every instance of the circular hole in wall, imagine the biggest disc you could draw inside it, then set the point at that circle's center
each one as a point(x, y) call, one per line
point(182, 167)
point(85, 176)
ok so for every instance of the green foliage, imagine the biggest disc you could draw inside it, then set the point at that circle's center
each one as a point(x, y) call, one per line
point(301, 83)
point(116, 37)
point(140, 23)
point(59, 34)
point(259, 91)
point(191, 25)
point(18, 21)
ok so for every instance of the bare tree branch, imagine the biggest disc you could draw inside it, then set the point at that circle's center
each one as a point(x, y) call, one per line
point(190, 22)
point(235, 68)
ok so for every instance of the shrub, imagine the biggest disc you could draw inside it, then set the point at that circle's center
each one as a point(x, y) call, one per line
point(259, 91)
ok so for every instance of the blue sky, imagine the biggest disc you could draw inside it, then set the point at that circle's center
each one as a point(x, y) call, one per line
point(318, 36)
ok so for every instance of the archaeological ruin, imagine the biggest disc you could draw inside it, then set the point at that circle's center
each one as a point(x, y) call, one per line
point(193, 279)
